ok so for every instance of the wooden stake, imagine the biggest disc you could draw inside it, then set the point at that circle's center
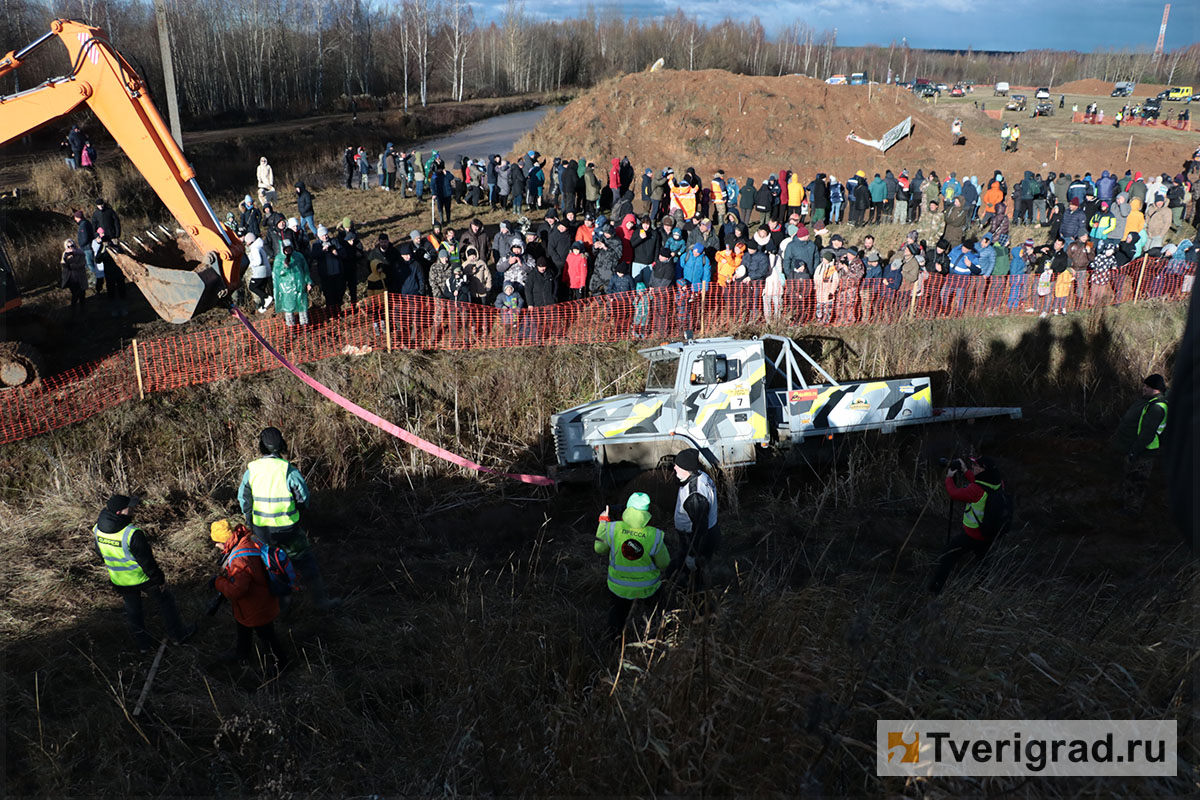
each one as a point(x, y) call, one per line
point(1137, 290)
point(1056, 149)
point(868, 92)
point(703, 303)
point(1128, 148)
point(137, 368)
point(150, 679)
point(387, 319)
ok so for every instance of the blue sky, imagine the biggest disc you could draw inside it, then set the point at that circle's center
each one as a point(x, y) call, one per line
point(951, 24)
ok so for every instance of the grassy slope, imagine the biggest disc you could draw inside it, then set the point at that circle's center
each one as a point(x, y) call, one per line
point(467, 658)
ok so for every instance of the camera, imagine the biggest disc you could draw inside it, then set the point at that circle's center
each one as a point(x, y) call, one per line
point(955, 464)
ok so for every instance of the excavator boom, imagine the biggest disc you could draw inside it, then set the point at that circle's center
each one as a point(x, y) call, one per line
point(103, 80)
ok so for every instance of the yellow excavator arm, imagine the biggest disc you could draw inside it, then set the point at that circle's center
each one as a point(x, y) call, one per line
point(101, 78)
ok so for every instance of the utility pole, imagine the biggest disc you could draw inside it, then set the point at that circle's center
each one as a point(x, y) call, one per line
point(164, 46)
point(1162, 31)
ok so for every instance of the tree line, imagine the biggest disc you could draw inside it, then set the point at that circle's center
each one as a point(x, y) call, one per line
point(249, 59)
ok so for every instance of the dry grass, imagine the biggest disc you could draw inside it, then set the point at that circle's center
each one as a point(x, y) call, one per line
point(468, 658)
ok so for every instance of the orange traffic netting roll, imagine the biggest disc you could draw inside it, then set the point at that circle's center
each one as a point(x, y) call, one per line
point(393, 322)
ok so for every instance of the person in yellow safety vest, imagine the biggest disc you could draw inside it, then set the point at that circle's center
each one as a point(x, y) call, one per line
point(133, 570)
point(637, 557)
point(1139, 438)
point(979, 529)
point(718, 196)
point(1015, 136)
point(272, 496)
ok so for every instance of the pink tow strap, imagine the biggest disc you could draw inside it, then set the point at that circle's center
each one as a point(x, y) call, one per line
point(381, 423)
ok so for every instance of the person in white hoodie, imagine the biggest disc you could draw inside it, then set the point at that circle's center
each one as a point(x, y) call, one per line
point(266, 182)
point(258, 266)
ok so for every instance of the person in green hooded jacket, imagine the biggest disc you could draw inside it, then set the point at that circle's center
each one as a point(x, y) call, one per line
point(637, 557)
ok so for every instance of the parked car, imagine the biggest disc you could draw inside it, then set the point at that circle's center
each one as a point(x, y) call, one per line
point(1016, 102)
point(1043, 110)
point(928, 90)
point(957, 91)
point(1152, 108)
point(1123, 88)
point(941, 87)
point(1042, 94)
point(1181, 94)
point(1001, 89)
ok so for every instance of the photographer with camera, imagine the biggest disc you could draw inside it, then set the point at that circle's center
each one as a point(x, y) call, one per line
point(986, 517)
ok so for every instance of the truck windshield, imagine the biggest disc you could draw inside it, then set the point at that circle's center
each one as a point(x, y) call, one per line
point(662, 373)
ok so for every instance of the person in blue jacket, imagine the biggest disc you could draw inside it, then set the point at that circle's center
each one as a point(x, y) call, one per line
point(696, 267)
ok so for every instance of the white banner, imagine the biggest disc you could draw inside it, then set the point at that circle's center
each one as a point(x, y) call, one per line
point(896, 134)
point(1031, 748)
point(890, 138)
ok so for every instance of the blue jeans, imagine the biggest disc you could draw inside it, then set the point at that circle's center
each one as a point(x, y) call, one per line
point(89, 258)
point(310, 223)
point(835, 211)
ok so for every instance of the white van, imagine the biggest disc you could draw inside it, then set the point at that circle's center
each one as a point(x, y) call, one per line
point(1042, 94)
point(1001, 89)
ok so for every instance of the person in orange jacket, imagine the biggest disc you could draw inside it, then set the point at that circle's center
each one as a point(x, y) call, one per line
point(244, 583)
point(728, 260)
point(992, 196)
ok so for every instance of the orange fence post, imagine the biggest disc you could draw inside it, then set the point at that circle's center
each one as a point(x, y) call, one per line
point(137, 369)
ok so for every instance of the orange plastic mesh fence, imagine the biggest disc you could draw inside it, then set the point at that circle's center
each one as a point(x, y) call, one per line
point(212, 354)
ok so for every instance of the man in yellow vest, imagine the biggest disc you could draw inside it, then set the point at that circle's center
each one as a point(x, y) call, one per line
point(1139, 438)
point(981, 525)
point(637, 556)
point(272, 495)
point(133, 570)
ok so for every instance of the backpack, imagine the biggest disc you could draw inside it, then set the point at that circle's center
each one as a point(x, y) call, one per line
point(281, 574)
point(997, 512)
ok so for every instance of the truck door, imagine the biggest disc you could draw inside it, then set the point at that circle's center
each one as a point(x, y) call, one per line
point(723, 391)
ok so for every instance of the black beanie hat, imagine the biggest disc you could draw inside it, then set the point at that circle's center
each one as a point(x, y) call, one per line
point(271, 441)
point(688, 460)
point(1156, 381)
point(117, 503)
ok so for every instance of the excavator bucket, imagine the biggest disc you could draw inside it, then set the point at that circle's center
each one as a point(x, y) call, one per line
point(175, 277)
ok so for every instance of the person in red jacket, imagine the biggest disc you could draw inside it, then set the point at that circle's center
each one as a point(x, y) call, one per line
point(577, 271)
point(978, 529)
point(243, 582)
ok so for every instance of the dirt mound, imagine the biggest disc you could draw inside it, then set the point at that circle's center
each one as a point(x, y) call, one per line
point(753, 126)
point(1099, 88)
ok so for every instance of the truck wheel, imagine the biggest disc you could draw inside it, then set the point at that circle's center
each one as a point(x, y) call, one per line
point(20, 365)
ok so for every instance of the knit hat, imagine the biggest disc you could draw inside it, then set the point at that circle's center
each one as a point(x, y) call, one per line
point(271, 440)
point(639, 501)
point(688, 460)
point(1156, 381)
point(119, 502)
point(220, 531)
point(801, 231)
point(322, 231)
point(347, 224)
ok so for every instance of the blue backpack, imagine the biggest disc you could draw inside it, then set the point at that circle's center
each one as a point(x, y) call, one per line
point(281, 574)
